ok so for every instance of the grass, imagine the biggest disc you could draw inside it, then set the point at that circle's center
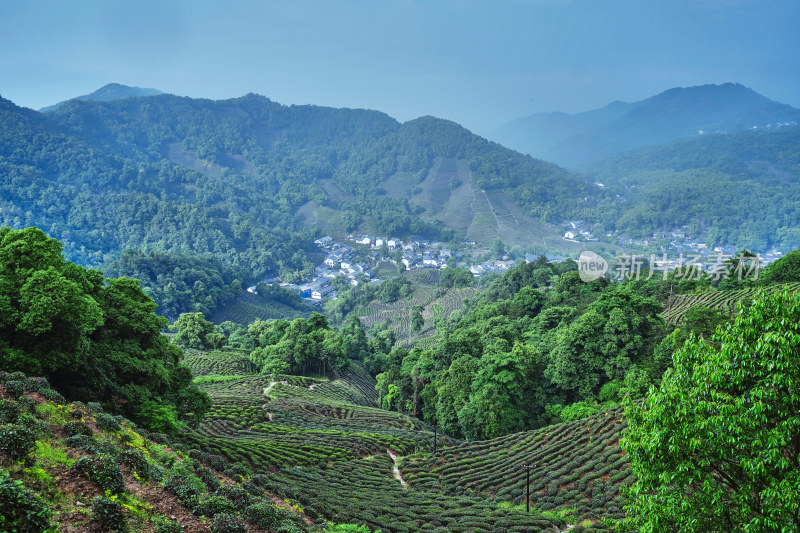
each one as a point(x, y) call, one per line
point(214, 379)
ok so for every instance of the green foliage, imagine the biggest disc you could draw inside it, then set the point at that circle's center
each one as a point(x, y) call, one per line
point(20, 509)
point(17, 441)
point(109, 513)
point(285, 347)
point(137, 462)
point(228, 523)
point(784, 270)
point(159, 417)
point(15, 388)
point(193, 330)
point(9, 411)
point(93, 339)
point(165, 525)
point(715, 446)
point(263, 514)
point(181, 282)
point(347, 528)
point(103, 470)
point(77, 427)
point(517, 349)
point(702, 183)
point(106, 422)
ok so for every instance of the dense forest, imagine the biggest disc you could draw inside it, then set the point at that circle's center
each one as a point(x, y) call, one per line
point(539, 346)
point(189, 178)
point(739, 190)
point(94, 339)
point(221, 185)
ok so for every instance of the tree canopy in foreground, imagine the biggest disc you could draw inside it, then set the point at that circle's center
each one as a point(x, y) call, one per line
point(94, 339)
point(716, 446)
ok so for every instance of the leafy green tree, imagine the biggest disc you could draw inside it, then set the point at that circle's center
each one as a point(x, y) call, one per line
point(417, 322)
point(93, 339)
point(453, 277)
point(494, 407)
point(193, 330)
point(716, 446)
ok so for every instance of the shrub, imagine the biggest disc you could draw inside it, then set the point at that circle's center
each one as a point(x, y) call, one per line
point(208, 477)
point(289, 527)
point(20, 509)
point(252, 488)
point(261, 480)
point(159, 438)
point(40, 428)
point(240, 469)
point(9, 411)
point(36, 384)
point(187, 493)
point(27, 404)
point(76, 410)
point(136, 461)
point(159, 417)
point(109, 513)
point(15, 388)
point(165, 525)
point(77, 427)
point(103, 471)
point(53, 396)
point(236, 494)
point(82, 442)
point(228, 523)
point(106, 422)
point(262, 514)
point(16, 441)
point(216, 504)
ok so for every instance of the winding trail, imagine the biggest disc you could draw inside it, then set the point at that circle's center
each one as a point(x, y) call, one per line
point(272, 384)
point(396, 470)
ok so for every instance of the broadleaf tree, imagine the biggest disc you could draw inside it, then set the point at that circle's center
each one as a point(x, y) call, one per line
point(717, 446)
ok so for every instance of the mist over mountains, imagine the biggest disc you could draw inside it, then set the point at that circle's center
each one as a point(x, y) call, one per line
point(253, 182)
point(107, 93)
point(673, 115)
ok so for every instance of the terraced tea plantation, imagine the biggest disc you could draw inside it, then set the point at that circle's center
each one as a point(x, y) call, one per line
point(327, 446)
point(398, 314)
point(717, 299)
point(575, 466)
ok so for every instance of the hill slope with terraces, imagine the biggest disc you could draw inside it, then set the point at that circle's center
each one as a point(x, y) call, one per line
point(324, 444)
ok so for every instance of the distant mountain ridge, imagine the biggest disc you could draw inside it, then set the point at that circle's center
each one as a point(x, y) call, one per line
point(107, 93)
point(673, 115)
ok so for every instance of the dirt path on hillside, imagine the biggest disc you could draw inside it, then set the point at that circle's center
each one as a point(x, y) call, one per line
point(396, 469)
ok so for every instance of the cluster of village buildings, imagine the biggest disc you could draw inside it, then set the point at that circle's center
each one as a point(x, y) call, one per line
point(673, 243)
point(346, 260)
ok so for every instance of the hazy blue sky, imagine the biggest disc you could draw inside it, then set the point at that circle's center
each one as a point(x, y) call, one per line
point(479, 63)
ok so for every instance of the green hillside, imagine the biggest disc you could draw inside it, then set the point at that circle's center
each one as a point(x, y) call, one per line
point(724, 300)
point(325, 445)
point(71, 467)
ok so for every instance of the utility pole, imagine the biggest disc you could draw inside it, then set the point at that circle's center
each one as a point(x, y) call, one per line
point(434, 438)
point(527, 468)
point(669, 302)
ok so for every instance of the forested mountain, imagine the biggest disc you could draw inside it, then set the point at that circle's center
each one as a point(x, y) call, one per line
point(112, 91)
point(237, 178)
point(738, 189)
point(675, 114)
point(231, 191)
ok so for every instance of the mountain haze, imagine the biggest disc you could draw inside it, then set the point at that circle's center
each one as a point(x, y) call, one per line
point(106, 93)
point(673, 115)
point(253, 181)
